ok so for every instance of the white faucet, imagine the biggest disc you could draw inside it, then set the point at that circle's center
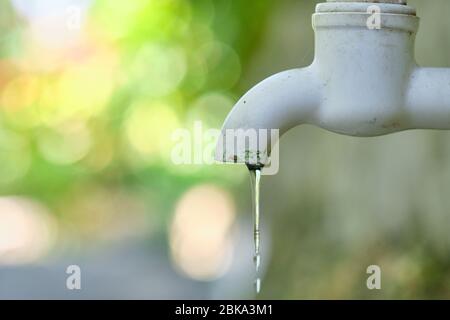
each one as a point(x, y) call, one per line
point(363, 82)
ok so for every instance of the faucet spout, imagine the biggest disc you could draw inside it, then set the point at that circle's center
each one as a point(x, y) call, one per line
point(282, 101)
point(364, 82)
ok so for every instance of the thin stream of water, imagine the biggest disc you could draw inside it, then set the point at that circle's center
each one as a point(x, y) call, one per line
point(255, 178)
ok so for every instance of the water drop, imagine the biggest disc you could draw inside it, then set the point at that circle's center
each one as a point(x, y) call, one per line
point(255, 177)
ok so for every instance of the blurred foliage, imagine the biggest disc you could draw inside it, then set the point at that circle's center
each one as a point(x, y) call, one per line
point(95, 107)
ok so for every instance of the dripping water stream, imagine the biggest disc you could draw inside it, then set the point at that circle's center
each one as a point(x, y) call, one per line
point(255, 178)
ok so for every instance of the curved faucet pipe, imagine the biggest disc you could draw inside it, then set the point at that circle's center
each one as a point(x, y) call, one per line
point(363, 82)
point(281, 102)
